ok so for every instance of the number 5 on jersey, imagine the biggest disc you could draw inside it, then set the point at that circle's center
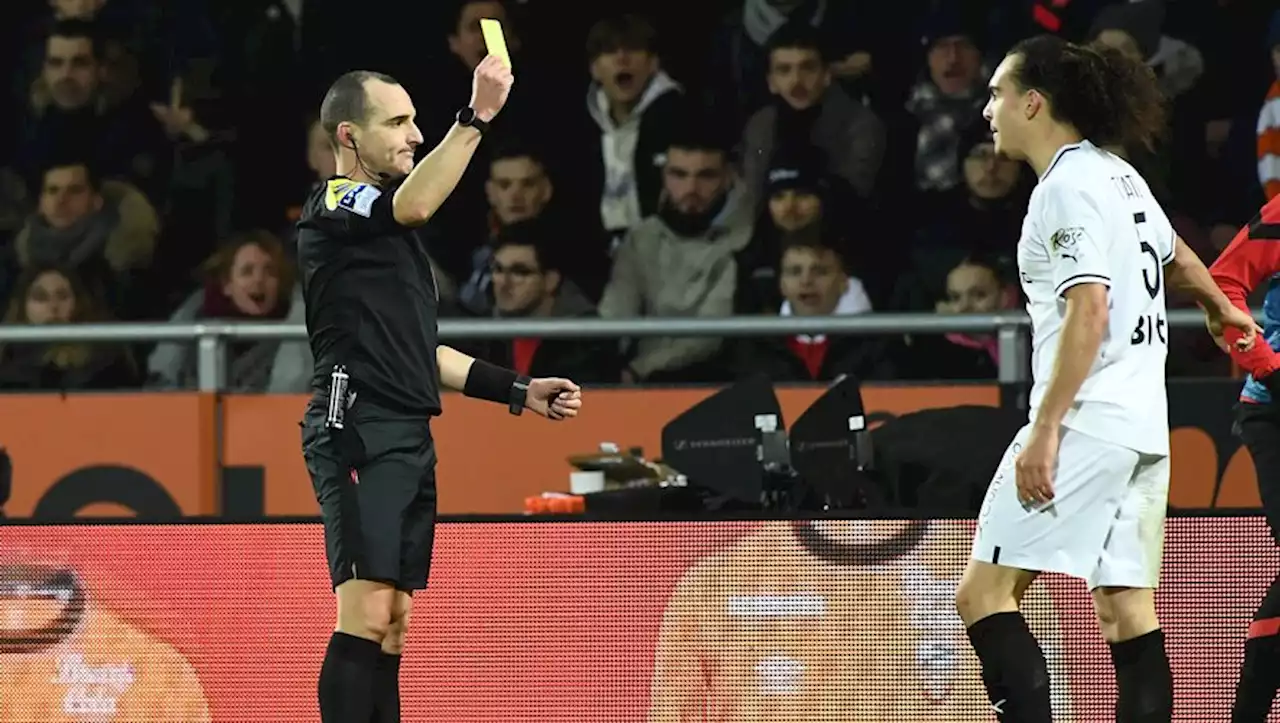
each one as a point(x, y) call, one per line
point(1150, 327)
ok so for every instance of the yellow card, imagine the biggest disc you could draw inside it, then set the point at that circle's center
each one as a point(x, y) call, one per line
point(494, 40)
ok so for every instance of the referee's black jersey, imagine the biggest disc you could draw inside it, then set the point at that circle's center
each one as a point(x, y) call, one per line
point(371, 297)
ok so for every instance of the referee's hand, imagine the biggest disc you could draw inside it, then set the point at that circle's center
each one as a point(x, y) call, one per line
point(555, 399)
point(490, 85)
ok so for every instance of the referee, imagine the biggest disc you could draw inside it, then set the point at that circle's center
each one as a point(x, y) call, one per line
point(371, 301)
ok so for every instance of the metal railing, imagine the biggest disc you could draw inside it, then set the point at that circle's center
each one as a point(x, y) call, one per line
point(1011, 330)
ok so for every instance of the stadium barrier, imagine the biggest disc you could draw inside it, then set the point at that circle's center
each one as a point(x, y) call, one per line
point(162, 456)
point(1011, 330)
point(787, 620)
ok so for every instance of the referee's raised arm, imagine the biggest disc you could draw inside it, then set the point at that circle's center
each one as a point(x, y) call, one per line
point(435, 177)
point(370, 120)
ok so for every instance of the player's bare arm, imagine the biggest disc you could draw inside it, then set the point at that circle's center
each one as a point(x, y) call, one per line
point(436, 175)
point(551, 397)
point(1188, 274)
point(1083, 328)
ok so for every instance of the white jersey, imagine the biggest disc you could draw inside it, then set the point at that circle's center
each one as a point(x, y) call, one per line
point(1092, 219)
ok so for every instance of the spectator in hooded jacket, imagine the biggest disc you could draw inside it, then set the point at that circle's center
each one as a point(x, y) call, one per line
point(681, 260)
point(634, 108)
point(814, 281)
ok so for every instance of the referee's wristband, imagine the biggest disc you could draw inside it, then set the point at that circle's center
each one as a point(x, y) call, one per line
point(493, 383)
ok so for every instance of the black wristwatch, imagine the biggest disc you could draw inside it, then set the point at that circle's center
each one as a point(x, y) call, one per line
point(467, 117)
point(519, 395)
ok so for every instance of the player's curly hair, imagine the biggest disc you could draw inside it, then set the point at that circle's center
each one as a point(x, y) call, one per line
point(1110, 98)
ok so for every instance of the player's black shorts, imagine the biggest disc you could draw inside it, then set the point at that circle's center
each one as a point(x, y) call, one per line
point(1258, 426)
point(376, 485)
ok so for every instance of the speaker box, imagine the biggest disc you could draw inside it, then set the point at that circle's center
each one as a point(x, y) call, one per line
point(832, 452)
point(719, 443)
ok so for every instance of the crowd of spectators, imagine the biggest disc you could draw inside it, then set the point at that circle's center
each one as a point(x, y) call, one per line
point(777, 157)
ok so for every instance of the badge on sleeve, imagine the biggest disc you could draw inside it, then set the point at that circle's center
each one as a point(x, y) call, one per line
point(355, 197)
point(1065, 242)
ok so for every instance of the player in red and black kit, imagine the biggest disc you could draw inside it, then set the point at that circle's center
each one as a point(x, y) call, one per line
point(1253, 259)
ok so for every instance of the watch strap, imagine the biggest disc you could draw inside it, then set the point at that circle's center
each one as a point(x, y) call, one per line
point(519, 395)
point(469, 117)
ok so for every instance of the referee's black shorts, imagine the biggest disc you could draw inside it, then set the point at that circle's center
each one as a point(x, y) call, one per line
point(376, 485)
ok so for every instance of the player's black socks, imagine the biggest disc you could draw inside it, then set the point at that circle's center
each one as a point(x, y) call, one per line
point(1144, 680)
point(1013, 668)
point(386, 690)
point(346, 679)
point(1260, 674)
point(1259, 679)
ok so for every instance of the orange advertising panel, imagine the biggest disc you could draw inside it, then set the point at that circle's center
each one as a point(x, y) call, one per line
point(490, 461)
point(158, 454)
point(786, 621)
point(154, 449)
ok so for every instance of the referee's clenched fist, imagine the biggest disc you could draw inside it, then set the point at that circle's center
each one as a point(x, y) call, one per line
point(372, 307)
point(554, 398)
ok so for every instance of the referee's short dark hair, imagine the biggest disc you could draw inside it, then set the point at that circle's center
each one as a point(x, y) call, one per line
point(347, 101)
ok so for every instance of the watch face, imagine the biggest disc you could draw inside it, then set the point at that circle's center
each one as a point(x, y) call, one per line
point(466, 116)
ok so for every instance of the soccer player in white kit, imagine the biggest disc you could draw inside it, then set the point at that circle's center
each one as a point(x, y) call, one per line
point(1083, 488)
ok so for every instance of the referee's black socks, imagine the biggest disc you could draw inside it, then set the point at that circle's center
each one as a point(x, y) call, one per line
point(347, 679)
point(1013, 668)
point(1143, 679)
point(386, 690)
point(1260, 674)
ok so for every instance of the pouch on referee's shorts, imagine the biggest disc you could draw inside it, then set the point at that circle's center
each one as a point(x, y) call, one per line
point(350, 445)
point(343, 443)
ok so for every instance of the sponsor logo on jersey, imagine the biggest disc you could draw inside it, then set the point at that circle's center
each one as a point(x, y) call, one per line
point(1066, 240)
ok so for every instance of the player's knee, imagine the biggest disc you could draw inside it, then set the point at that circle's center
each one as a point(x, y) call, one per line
point(397, 630)
point(365, 609)
point(1108, 622)
point(975, 599)
point(393, 643)
point(967, 600)
point(1125, 613)
point(987, 589)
